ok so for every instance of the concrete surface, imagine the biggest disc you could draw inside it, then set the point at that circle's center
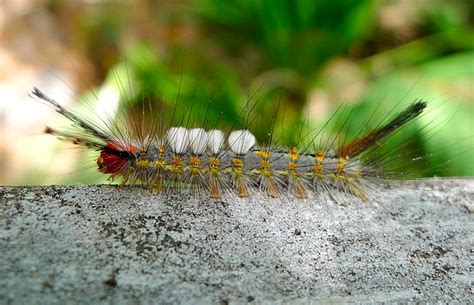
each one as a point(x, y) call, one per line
point(101, 244)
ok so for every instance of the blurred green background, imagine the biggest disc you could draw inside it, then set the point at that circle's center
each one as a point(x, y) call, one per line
point(301, 60)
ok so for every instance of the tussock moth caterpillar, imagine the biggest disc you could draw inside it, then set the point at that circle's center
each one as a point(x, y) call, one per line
point(206, 160)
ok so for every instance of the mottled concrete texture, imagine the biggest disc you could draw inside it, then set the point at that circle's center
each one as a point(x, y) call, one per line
point(102, 244)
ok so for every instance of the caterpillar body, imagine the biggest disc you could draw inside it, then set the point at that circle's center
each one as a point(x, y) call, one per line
point(216, 163)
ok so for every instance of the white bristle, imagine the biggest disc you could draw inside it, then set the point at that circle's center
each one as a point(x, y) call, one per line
point(215, 140)
point(241, 141)
point(178, 139)
point(198, 140)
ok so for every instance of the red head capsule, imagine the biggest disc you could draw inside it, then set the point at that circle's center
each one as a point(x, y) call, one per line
point(113, 157)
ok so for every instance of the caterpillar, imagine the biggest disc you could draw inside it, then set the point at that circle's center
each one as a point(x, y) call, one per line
point(216, 163)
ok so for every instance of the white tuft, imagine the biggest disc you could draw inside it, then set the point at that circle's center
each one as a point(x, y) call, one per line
point(178, 139)
point(215, 140)
point(241, 141)
point(198, 140)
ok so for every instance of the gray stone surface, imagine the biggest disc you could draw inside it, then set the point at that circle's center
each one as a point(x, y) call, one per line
point(102, 244)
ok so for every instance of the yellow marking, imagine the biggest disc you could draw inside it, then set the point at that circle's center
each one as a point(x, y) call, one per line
point(144, 163)
point(238, 162)
point(320, 156)
point(319, 167)
point(319, 176)
point(214, 165)
point(265, 164)
point(295, 174)
point(237, 172)
point(237, 167)
point(177, 164)
point(195, 161)
point(264, 154)
point(293, 166)
point(294, 154)
point(177, 161)
point(265, 173)
point(341, 164)
point(214, 161)
point(194, 165)
point(194, 170)
point(160, 163)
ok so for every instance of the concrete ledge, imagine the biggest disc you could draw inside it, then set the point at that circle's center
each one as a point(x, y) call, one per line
point(102, 244)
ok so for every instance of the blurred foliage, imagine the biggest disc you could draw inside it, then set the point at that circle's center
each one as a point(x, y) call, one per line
point(299, 35)
point(204, 60)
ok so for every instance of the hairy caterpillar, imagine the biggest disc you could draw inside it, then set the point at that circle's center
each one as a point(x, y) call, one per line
point(213, 162)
